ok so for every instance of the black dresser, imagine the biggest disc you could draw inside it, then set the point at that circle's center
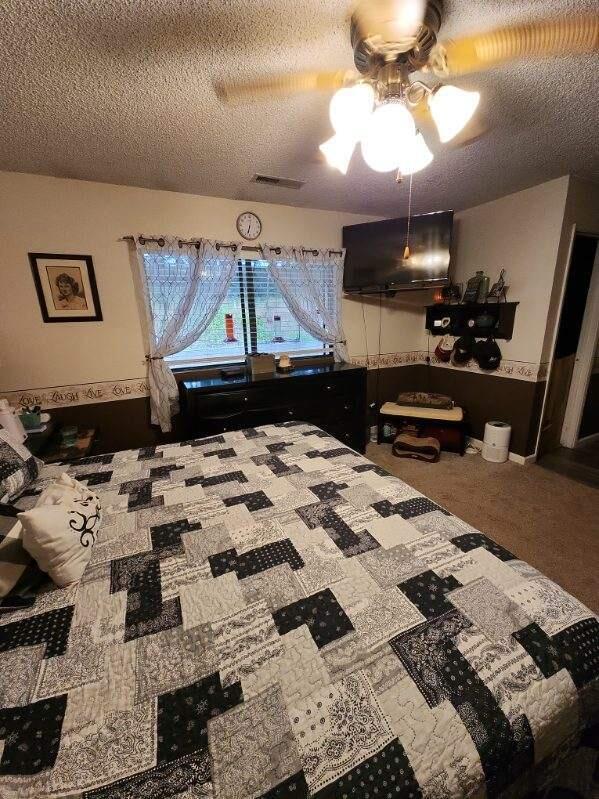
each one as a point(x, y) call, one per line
point(330, 396)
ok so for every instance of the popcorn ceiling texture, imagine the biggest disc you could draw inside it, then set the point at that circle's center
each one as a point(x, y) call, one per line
point(120, 91)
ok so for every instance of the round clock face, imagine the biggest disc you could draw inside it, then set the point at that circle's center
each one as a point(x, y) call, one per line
point(248, 225)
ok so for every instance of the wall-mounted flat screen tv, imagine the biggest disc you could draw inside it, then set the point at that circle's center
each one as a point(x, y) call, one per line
point(374, 253)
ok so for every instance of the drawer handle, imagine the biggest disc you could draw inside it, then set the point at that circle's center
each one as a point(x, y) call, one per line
point(328, 388)
point(246, 399)
point(290, 413)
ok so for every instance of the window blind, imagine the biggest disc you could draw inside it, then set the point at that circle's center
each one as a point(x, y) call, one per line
point(254, 317)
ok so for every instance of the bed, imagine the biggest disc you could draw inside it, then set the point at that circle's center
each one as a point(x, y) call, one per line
point(269, 614)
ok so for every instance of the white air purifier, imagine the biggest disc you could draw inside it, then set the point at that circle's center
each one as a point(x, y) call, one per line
point(496, 442)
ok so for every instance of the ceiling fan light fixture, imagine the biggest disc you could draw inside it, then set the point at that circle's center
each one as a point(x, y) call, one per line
point(415, 156)
point(350, 109)
point(338, 151)
point(390, 128)
point(452, 109)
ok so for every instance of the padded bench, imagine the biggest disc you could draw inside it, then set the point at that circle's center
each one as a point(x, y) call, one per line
point(427, 420)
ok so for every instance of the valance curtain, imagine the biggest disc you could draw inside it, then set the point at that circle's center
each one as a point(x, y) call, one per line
point(311, 282)
point(183, 284)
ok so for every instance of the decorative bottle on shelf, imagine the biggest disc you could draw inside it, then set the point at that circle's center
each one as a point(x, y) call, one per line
point(483, 289)
point(473, 287)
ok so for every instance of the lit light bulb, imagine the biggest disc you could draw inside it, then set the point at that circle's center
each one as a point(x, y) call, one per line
point(415, 156)
point(350, 109)
point(452, 109)
point(338, 151)
point(389, 128)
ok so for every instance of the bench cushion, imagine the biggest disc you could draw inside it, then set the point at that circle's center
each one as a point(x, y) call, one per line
point(455, 414)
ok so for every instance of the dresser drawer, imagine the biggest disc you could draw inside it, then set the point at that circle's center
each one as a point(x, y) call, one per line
point(226, 403)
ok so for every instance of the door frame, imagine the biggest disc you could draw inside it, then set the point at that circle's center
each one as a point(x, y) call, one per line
point(560, 307)
point(585, 355)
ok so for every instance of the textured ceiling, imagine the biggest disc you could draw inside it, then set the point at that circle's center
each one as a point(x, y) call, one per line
point(121, 91)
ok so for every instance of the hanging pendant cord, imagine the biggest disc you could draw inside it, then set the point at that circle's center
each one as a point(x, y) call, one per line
point(407, 250)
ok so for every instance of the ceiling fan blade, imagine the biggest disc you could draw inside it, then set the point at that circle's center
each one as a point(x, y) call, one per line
point(535, 39)
point(391, 20)
point(231, 91)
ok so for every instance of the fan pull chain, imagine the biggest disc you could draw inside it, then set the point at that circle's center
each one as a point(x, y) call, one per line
point(406, 252)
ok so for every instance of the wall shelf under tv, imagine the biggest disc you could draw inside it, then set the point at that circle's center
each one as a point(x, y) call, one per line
point(460, 314)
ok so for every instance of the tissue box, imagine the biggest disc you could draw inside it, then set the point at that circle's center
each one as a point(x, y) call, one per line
point(260, 364)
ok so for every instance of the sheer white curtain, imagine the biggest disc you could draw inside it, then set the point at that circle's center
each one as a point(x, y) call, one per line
point(183, 284)
point(311, 282)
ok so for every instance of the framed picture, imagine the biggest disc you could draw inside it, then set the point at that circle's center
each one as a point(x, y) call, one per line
point(66, 287)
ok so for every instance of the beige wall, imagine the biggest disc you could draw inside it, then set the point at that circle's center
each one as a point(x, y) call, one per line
point(520, 233)
point(44, 214)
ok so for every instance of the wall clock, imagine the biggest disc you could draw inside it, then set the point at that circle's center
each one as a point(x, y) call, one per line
point(249, 225)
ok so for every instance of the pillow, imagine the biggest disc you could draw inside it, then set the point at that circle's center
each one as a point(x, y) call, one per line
point(63, 488)
point(18, 467)
point(61, 530)
point(19, 573)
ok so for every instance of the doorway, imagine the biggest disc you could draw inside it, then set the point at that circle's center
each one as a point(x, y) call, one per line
point(560, 447)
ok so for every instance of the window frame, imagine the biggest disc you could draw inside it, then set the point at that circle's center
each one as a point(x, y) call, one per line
point(248, 332)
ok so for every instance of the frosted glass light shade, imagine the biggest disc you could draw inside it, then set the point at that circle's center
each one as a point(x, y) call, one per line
point(389, 128)
point(452, 109)
point(415, 156)
point(338, 151)
point(350, 108)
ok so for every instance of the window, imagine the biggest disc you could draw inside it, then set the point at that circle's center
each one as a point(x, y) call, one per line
point(253, 317)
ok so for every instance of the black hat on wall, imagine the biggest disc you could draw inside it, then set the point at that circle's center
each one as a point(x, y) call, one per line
point(487, 354)
point(463, 350)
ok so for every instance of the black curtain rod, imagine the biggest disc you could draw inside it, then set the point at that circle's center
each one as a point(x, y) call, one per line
point(277, 251)
point(196, 242)
point(248, 248)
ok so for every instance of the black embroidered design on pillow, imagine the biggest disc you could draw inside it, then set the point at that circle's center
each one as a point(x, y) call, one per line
point(86, 519)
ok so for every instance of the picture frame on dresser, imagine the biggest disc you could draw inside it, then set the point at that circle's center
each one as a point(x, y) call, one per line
point(66, 287)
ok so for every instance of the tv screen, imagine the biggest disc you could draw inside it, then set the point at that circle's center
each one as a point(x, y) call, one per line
point(374, 253)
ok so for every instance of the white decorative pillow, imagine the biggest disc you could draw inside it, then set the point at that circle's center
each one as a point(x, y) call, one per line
point(63, 488)
point(61, 530)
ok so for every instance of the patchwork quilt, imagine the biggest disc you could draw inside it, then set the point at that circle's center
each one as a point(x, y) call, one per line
point(269, 614)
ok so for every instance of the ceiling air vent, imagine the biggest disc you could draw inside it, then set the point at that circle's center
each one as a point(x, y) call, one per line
point(282, 183)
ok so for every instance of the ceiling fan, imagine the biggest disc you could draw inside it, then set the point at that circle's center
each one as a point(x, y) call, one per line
point(381, 104)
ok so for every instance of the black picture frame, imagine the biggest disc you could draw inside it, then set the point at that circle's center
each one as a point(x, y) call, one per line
point(65, 315)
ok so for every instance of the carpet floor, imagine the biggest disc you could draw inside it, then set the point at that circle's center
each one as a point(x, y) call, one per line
point(544, 518)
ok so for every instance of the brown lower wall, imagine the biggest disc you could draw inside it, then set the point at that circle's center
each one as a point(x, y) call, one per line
point(122, 424)
point(485, 397)
point(125, 424)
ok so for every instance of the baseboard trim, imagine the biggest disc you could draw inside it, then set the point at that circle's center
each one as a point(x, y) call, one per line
point(523, 460)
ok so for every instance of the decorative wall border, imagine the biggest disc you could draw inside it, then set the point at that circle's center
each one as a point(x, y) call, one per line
point(517, 370)
point(81, 394)
point(112, 390)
